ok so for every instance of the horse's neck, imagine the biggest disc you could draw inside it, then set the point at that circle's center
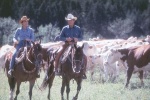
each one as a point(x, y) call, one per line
point(29, 56)
point(44, 52)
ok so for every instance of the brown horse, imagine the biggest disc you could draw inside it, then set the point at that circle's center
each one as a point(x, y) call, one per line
point(26, 69)
point(73, 65)
point(50, 75)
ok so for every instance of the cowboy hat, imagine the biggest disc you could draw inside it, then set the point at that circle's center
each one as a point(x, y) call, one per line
point(24, 18)
point(70, 17)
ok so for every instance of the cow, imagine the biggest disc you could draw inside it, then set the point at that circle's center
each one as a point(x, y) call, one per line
point(95, 63)
point(5, 49)
point(135, 59)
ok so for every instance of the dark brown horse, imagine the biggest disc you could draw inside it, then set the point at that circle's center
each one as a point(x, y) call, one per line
point(25, 69)
point(73, 65)
point(50, 75)
point(73, 68)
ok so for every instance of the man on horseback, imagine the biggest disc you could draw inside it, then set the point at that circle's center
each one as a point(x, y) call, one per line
point(24, 33)
point(69, 33)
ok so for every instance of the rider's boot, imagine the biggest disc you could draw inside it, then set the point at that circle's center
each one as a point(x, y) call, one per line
point(10, 72)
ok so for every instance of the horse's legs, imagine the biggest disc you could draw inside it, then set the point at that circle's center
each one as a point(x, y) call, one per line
point(62, 89)
point(49, 87)
point(50, 84)
point(129, 74)
point(141, 77)
point(12, 83)
point(78, 89)
point(67, 89)
point(18, 90)
point(32, 82)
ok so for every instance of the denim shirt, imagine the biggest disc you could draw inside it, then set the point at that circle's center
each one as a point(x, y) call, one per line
point(22, 34)
point(74, 32)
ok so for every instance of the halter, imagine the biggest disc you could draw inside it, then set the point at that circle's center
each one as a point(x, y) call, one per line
point(36, 63)
point(75, 61)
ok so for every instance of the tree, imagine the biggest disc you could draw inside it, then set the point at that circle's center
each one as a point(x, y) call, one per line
point(7, 27)
point(49, 32)
point(120, 27)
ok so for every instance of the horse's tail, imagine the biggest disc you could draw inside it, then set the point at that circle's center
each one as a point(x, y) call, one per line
point(45, 82)
point(48, 79)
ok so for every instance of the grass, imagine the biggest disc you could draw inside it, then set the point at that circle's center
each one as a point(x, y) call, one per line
point(94, 90)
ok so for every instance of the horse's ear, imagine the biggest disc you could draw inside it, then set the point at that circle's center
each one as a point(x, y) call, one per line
point(75, 45)
point(33, 43)
point(39, 41)
point(82, 45)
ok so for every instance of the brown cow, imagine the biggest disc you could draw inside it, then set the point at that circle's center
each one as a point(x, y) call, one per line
point(135, 59)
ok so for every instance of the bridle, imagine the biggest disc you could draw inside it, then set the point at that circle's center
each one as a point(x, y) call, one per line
point(80, 65)
point(37, 56)
point(76, 62)
point(36, 63)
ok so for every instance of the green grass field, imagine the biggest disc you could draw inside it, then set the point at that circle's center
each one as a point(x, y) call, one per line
point(94, 90)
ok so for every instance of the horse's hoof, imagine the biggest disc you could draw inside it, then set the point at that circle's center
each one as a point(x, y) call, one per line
point(62, 98)
point(37, 76)
point(74, 98)
point(15, 98)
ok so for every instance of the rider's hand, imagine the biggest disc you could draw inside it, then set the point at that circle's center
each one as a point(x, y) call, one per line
point(16, 42)
point(28, 40)
point(68, 39)
point(75, 39)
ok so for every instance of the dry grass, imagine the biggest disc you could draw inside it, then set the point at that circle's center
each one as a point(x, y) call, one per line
point(94, 90)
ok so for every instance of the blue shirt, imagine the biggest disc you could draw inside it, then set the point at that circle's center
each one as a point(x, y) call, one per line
point(74, 32)
point(23, 34)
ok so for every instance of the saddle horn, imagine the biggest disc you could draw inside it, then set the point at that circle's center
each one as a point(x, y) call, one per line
point(75, 45)
point(82, 45)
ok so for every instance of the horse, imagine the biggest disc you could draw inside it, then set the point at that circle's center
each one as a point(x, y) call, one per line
point(25, 69)
point(73, 65)
point(5, 49)
point(50, 75)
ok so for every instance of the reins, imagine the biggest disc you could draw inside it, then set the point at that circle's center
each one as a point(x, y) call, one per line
point(73, 61)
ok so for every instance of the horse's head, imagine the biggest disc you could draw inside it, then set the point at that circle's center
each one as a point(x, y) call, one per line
point(78, 60)
point(36, 52)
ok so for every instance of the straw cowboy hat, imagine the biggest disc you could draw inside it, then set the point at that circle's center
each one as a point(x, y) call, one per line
point(24, 18)
point(70, 17)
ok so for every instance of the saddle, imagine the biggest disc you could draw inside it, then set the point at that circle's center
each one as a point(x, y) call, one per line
point(20, 55)
point(52, 53)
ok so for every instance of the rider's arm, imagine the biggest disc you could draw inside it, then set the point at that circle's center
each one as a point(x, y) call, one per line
point(80, 36)
point(62, 35)
point(15, 38)
point(32, 35)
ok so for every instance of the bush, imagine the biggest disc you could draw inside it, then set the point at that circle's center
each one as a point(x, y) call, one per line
point(7, 29)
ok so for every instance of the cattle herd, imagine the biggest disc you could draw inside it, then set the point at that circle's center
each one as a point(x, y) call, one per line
point(109, 57)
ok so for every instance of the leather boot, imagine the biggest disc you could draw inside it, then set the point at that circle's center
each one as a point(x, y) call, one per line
point(38, 72)
point(10, 73)
point(84, 76)
point(57, 71)
point(57, 62)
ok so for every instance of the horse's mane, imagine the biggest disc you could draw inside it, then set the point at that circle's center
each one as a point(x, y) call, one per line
point(66, 54)
point(39, 47)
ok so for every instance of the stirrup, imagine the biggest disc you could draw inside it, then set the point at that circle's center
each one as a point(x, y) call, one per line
point(10, 73)
point(57, 73)
point(84, 76)
point(38, 76)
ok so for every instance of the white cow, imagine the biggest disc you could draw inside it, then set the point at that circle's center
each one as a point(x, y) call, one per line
point(3, 51)
point(95, 63)
point(89, 49)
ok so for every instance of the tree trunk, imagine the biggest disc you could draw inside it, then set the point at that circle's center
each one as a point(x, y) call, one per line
point(1, 39)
